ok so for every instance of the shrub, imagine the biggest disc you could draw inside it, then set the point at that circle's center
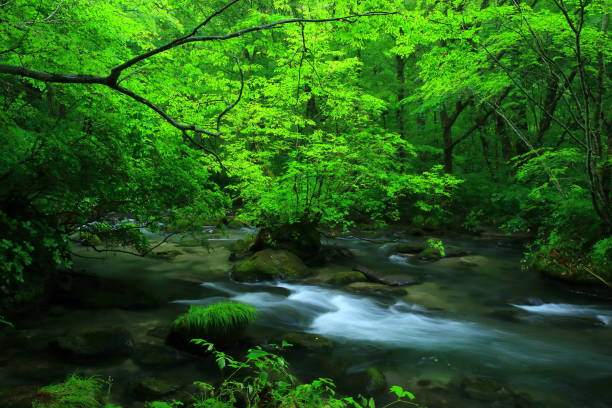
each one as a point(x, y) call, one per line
point(220, 321)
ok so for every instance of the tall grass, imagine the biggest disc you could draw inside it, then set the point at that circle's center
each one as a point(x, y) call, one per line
point(218, 321)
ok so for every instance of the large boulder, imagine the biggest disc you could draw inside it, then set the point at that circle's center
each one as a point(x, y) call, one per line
point(99, 344)
point(271, 264)
point(302, 239)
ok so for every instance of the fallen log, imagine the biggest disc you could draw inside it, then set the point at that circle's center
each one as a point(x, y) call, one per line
point(374, 277)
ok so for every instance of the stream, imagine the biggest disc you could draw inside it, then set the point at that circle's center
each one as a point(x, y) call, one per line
point(475, 316)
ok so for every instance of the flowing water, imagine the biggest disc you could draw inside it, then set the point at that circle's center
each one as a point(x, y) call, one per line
point(476, 316)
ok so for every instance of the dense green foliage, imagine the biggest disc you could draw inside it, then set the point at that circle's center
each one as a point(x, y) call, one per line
point(456, 114)
point(217, 321)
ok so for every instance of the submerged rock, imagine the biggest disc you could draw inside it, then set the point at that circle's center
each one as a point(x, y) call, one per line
point(271, 264)
point(312, 342)
point(345, 278)
point(99, 344)
point(376, 289)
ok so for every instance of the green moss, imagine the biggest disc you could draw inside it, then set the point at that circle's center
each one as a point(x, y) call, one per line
point(75, 392)
point(218, 321)
point(344, 278)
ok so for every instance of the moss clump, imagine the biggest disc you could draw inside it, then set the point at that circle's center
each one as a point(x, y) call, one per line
point(75, 392)
point(217, 322)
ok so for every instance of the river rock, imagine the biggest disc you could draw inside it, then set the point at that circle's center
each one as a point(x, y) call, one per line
point(485, 389)
point(271, 264)
point(375, 289)
point(150, 388)
point(345, 278)
point(99, 344)
point(433, 254)
point(307, 341)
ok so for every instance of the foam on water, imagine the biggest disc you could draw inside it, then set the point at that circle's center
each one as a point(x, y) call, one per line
point(569, 310)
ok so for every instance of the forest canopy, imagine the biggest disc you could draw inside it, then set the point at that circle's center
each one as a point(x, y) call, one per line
point(123, 115)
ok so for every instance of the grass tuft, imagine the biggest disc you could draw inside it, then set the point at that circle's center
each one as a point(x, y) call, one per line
point(218, 321)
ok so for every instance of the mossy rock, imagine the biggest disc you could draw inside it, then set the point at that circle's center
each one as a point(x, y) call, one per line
point(307, 341)
point(76, 392)
point(345, 278)
point(302, 239)
point(410, 247)
point(433, 254)
point(271, 264)
point(370, 288)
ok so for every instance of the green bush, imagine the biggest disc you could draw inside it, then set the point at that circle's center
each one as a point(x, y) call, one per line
point(220, 321)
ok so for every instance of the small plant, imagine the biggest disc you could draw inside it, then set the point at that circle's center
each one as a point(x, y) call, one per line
point(437, 244)
point(219, 321)
point(75, 392)
point(269, 383)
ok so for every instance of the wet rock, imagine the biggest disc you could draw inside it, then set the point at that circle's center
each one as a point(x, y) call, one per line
point(433, 254)
point(307, 341)
point(271, 264)
point(151, 355)
point(375, 289)
point(345, 278)
point(150, 388)
point(100, 344)
point(485, 389)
